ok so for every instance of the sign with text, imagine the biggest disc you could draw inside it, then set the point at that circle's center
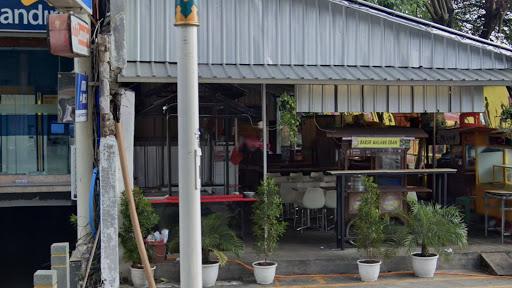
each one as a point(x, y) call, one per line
point(24, 15)
point(80, 36)
point(81, 98)
point(72, 97)
point(376, 142)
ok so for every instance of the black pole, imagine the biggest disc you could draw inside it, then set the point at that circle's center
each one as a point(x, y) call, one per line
point(169, 156)
point(340, 218)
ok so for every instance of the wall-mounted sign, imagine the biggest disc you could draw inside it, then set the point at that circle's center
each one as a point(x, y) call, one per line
point(72, 98)
point(81, 98)
point(80, 36)
point(84, 4)
point(376, 142)
point(69, 35)
point(24, 15)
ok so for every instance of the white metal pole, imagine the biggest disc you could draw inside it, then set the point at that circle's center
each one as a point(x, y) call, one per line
point(264, 116)
point(188, 145)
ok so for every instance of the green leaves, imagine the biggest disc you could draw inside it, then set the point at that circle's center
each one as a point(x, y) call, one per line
point(370, 225)
point(289, 118)
point(433, 227)
point(218, 238)
point(268, 227)
point(148, 219)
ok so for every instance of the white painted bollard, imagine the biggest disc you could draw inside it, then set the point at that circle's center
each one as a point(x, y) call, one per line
point(60, 263)
point(45, 279)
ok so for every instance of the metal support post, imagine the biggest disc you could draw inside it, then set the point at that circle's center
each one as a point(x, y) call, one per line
point(187, 20)
point(264, 120)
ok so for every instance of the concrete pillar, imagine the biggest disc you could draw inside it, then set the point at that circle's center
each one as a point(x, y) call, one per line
point(111, 188)
point(45, 279)
point(60, 263)
point(109, 207)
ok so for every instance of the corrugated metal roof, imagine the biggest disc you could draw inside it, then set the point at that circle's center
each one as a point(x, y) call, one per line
point(288, 74)
point(306, 32)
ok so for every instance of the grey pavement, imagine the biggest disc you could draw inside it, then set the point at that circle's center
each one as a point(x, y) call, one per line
point(443, 279)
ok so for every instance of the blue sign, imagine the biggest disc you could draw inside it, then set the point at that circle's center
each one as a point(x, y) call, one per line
point(81, 98)
point(86, 4)
point(24, 15)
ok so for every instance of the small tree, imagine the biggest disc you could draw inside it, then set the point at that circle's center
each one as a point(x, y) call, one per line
point(268, 226)
point(148, 219)
point(433, 227)
point(370, 225)
point(216, 238)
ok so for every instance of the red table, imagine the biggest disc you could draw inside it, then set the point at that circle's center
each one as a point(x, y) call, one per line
point(205, 199)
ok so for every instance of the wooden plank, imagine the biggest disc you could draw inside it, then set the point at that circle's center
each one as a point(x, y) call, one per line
point(499, 263)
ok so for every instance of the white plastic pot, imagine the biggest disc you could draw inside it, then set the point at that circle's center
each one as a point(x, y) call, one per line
point(210, 274)
point(424, 266)
point(369, 272)
point(264, 274)
point(139, 278)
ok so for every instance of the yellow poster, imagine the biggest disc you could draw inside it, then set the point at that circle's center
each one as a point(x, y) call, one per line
point(375, 142)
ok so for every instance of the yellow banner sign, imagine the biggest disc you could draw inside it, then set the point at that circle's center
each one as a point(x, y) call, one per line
point(375, 142)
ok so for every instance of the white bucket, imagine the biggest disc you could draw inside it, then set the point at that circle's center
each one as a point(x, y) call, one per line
point(424, 266)
point(264, 274)
point(210, 274)
point(368, 272)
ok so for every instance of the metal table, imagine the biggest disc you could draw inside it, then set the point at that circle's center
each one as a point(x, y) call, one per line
point(503, 196)
point(341, 175)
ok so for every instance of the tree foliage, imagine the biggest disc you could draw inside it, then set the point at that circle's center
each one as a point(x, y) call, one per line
point(432, 227)
point(487, 19)
point(268, 227)
point(289, 117)
point(370, 224)
point(148, 219)
point(216, 238)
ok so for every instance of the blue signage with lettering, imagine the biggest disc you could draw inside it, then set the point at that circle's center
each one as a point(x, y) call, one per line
point(81, 98)
point(24, 15)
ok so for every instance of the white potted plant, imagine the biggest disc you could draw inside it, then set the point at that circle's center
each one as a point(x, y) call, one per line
point(370, 228)
point(216, 238)
point(432, 227)
point(148, 219)
point(268, 229)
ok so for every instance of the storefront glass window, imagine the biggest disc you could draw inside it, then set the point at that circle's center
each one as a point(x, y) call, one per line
point(31, 140)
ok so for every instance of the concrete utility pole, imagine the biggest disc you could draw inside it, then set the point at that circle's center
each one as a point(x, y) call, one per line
point(187, 21)
point(84, 155)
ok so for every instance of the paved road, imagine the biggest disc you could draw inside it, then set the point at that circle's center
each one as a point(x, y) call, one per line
point(391, 280)
point(397, 280)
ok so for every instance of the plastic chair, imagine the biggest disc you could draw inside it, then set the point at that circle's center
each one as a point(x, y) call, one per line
point(313, 199)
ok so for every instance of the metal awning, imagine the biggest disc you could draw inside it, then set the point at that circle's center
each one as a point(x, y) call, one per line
point(161, 72)
point(378, 132)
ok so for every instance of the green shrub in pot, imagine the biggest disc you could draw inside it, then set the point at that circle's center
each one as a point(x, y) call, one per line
point(268, 228)
point(432, 227)
point(148, 219)
point(370, 227)
point(216, 238)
